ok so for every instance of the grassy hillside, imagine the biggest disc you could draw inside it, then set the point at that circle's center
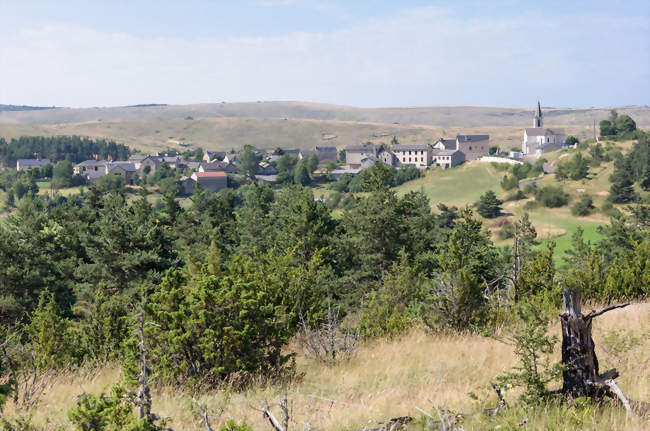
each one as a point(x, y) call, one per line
point(391, 378)
point(228, 133)
point(464, 185)
point(469, 116)
point(294, 124)
point(459, 186)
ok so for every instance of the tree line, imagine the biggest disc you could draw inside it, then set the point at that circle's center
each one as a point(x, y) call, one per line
point(74, 149)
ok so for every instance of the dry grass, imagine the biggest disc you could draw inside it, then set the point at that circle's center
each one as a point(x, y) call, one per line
point(389, 378)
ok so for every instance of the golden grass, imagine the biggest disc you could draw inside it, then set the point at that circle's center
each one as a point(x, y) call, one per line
point(390, 378)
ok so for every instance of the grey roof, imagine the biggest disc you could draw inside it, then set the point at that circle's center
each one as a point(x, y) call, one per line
point(437, 152)
point(291, 151)
point(169, 159)
point(325, 149)
point(410, 147)
point(92, 163)
point(472, 138)
point(129, 167)
point(33, 162)
point(137, 158)
point(362, 148)
point(450, 144)
point(307, 153)
point(193, 165)
point(543, 131)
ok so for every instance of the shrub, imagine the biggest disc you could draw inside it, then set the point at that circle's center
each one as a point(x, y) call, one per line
point(572, 140)
point(583, 206)
point(501, 166)
point(404, 174)
point(551, 196)
point(507, 231)
point(509, 182)
point(392, 309)
point(530, 205)
point(341, 185)
point(516, 196)
point(609, 210)
point(533, 348)
point(213, 325)
point(231, 425)
point(530, 189)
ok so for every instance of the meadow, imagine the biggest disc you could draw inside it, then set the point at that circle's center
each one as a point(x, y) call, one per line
point(394, 377)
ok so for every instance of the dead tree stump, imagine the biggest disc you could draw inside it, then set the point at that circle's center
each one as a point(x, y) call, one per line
point(581, 377)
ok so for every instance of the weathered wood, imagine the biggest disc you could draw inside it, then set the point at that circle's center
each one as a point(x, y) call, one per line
point(611, 384)
point(581, 377)
point(578, 353)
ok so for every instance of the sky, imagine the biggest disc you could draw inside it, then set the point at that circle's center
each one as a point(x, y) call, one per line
point(366, 53)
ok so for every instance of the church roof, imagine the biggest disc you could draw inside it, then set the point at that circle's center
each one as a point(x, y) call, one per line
point(539, 110)
point(543, 131)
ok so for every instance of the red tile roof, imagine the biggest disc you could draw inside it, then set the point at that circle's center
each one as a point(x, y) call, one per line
point(210, 174)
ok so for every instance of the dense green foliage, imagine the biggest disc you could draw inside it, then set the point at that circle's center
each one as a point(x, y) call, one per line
point(551, 196)
point(75, 149)
point(520, 171)
point(229, 278)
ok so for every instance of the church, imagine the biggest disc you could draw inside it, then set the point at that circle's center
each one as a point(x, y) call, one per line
point(539, 139)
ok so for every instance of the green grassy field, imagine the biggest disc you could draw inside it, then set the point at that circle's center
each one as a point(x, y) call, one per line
point(464, 185)
point(459, 186)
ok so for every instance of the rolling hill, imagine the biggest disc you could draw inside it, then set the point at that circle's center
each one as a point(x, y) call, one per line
point(220, 126)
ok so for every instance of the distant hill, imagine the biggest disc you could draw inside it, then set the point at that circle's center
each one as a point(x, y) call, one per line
point(465, 116)
point(23, 108)
point(296, 124)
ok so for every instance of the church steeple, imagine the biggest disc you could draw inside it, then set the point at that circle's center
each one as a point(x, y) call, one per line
point(538, 121)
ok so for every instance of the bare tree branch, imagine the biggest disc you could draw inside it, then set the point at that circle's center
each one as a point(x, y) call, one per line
point(605, 310)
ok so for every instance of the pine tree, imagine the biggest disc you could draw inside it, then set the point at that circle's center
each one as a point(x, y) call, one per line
point(301, 174)
point(622, 188)
point(489, 206)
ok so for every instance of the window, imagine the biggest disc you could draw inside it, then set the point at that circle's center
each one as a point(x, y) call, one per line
point(470, 148)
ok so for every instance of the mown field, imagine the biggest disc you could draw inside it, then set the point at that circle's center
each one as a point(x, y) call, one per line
point(390, 378)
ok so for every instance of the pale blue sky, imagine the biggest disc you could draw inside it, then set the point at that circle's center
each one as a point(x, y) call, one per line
point(364, 53)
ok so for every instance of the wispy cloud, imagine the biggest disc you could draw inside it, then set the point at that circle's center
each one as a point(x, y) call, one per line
point(421, 56)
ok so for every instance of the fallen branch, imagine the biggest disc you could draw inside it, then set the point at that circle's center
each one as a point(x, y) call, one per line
point(266, 413)
point(204, 415)
point(611, 384)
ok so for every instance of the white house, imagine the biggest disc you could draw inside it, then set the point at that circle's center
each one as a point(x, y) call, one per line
point(418, 155)
point(538, 139)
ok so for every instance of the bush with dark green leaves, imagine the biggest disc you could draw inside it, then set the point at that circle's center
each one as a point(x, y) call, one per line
point(551, 196)
point(213, 325)
point(110, 412)
point(515, 196)
point(509, 182)
point(583, 206)
point(572, 140)
point(397, 304)
point(506, 232)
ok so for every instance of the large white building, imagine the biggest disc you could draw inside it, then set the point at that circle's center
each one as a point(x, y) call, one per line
point(539, 139)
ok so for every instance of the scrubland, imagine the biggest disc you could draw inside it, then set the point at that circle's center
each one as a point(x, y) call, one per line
point(394, 377)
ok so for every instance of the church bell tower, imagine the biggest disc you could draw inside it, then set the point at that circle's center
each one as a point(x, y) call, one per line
point(538, 121)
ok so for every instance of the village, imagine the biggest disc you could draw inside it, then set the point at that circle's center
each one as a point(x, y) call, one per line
point(212, 170)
